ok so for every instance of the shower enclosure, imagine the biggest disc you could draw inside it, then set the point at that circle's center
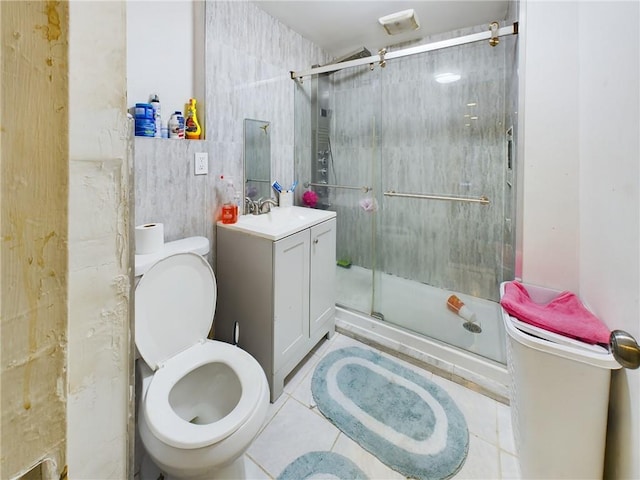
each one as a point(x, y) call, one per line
point(417, 160)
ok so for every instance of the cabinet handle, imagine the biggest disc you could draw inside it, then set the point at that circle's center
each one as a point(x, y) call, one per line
point(315, 240)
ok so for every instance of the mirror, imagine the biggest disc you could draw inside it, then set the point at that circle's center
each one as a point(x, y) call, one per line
point(257, 159)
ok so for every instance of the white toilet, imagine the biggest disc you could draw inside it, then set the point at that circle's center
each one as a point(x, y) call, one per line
point(202, 401)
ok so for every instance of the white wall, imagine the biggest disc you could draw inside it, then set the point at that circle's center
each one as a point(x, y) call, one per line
point(163, 53)
point(581, 177)
point(549, 136)
point(609, 118)
point(99, 346)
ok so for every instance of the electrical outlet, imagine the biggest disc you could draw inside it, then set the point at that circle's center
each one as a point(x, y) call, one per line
point(201, 163)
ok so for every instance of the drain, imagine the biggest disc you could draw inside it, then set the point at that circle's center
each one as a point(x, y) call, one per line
point(377, 315)
point(472, 327)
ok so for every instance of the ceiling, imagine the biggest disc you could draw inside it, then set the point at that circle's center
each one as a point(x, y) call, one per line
point(342, 27)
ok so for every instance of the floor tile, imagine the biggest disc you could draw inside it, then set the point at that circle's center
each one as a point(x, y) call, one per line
point(305, 368)
point(482, 461)
point(479, 411)
point(253, 471)
point(303, 394)
point(294, 431)
point(509, 466)
point(295, 426)
point(505, 429)
point(274, 408)
point(370, 465)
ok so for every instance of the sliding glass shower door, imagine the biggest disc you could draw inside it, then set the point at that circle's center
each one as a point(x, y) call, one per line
point(415, 161)
point(443, 193)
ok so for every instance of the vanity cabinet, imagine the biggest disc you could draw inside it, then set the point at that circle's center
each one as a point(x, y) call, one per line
point(279, 294)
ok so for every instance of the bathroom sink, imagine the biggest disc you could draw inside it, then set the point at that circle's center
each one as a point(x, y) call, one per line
point(279, 222)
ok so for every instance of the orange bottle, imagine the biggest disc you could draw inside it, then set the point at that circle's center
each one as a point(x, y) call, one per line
point(457, 306)
point(229, 210)
point(229, 213)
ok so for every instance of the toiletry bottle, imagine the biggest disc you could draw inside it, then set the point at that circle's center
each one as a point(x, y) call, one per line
point(176, 125)
point(237, 200)
point(192, 126)
point(229, 208)
point(457, 306)
point(144, 120)
point(157, 116)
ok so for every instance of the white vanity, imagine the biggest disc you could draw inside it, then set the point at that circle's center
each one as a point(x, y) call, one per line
point(276, 286)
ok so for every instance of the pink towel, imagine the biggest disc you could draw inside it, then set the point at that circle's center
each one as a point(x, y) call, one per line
point(564, 315)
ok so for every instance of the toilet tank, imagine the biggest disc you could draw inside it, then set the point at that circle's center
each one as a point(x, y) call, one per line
point(199, 245)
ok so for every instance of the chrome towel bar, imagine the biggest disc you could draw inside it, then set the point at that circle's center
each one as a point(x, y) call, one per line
point(423, 196)
point(347, 187)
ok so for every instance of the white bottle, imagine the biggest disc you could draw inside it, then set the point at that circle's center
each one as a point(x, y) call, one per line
point(176, 126)
point(237, 199)
point(157, 114)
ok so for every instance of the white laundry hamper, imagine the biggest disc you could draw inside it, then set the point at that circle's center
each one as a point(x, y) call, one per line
point(559, 398)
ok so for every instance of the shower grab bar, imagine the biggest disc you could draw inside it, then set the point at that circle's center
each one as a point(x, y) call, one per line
point(423, 196)
point(258, 181)
point(347, 187)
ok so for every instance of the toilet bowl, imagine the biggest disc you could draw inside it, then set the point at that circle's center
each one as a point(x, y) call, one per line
point(201, 401)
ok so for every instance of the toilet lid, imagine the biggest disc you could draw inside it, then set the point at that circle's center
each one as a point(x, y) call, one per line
point(174, 306)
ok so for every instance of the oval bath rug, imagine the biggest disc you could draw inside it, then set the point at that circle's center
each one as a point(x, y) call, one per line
point(405, 420)
point(322, 465)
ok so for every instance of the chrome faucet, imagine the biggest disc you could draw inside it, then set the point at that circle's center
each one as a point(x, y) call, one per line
point(250, 206)
point(268, 203)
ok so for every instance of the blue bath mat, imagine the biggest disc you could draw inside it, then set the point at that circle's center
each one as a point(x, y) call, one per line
point(321, 465)
point(408, 422)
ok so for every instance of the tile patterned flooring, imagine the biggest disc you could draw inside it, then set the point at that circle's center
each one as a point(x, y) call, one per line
point(294, 426)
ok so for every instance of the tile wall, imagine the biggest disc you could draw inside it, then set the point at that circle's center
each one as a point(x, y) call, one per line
point(248, 59)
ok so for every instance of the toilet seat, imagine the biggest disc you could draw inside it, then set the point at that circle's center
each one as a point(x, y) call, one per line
point(165, 423)
point(175, 303)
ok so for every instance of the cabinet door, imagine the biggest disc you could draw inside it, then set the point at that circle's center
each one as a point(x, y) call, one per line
point(323, 272)
point(291, 296)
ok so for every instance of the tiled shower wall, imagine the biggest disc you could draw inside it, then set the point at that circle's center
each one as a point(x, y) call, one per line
point(248, 58)
point(397, 129)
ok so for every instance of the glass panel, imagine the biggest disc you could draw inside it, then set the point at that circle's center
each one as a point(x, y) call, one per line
point(340, 150)
point(444, 139)
point(354, 156)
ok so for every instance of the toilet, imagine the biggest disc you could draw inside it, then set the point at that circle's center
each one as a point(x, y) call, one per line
point(201, 402)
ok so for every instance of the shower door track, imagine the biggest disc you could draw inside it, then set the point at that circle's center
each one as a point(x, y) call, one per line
point(429, 47)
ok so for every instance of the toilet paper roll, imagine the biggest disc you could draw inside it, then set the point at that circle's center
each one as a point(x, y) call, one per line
point(149, 238)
